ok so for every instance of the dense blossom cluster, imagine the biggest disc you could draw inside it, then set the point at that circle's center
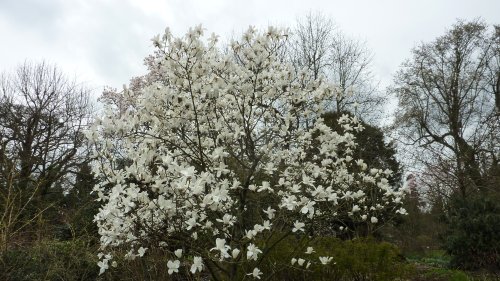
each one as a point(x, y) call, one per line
point(228, 149)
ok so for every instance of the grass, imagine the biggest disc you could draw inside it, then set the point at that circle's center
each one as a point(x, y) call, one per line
point(432, 265)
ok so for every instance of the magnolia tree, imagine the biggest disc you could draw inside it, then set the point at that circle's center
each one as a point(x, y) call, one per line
point(226, 154)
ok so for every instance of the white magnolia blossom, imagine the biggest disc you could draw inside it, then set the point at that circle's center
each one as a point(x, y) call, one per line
point(224, 149)
point(309, 250)
point(325, 260)
point(103, 265)
point(253, 252)
point(141, 251)
point(173, 266)
point(197, 265)
point(220, 245)
point(298, 226)
point(256, 273)
point(235, 253)
point(178, 253)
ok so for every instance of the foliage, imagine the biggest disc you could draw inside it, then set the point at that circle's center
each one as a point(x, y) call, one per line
point(445, 274)
point(78, 206)
point(450, 123)
point(472, 239)
point(51, 260)
point(371, 146)
point(374, 152)
point(433, 258)
point(42, 118)
point(358, 259)
point(419, 232)
point(214, 159)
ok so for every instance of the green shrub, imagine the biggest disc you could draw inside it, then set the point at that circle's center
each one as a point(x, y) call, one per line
point(357, 260)
point(51, 260)
point(473, 239)
point(442, 274)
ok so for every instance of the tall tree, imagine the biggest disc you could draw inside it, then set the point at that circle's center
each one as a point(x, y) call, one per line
point(447, 95)
point(42, 118)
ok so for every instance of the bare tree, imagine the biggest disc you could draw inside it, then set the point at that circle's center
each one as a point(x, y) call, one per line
point(350, 63)
point(42, 118)
point(447, 100)
point(321, 48)
point(312, 40)
point(493, 67)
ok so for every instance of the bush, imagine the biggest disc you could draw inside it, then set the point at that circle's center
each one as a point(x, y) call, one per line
point(357, 260)
point(442, 274)
point(473, 239)
point(51, 260)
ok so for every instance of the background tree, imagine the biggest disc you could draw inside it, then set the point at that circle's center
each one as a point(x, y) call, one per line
point(320, 47)
point(450, 123)
point(42, 118)
point(373, 151)
point(448, 107)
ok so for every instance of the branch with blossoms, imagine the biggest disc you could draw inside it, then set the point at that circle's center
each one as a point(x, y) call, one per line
point(215, 161)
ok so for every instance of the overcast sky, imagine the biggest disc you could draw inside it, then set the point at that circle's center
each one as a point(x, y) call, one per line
point(103, 42)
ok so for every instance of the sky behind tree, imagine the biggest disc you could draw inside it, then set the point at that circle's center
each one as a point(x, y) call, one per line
point(104, 42)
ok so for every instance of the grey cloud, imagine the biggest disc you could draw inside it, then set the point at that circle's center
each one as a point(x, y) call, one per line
point(33, 13)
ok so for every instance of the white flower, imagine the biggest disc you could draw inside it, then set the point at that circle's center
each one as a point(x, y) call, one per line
point(298, 226)
point(309, 208)
point(265, 186)
point(270, 168)
point(197, 265)
point(220, 245)
point(270, 212)
point(301, 261)
point(355, 208)
point(103, 265)
point(402, 211)
point(309, 250)
point(253, 252)
point(173, 266)
point(156, 41)
point(141, 251)
point(188, 172)
point(293, 261)
point(227, 219)
point(256, 273)
point(178, 253)
point(374, 220)
point(250, 234)
point(266, 225)
point(325, 260)
point(235, 253)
